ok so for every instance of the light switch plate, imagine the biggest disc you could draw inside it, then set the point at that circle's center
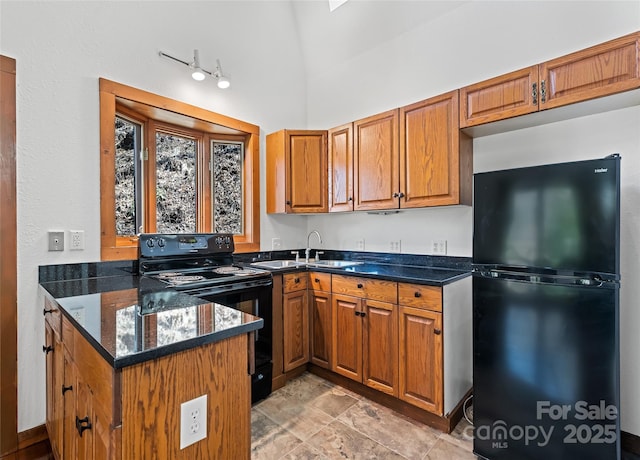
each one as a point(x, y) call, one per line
point(56, 241)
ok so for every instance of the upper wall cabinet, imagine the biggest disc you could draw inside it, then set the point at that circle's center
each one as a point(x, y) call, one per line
point(376, 162)
point(605, 69)
point(436, 165)
point(341, 168)
point(297, 172)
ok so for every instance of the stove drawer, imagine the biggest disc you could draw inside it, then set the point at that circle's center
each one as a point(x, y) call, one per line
point(292, 282)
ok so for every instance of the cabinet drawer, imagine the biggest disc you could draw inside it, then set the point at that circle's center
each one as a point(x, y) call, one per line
point(420, 296)
point(292, 282)
point(52, 315)
point(320, 281)
point(384, 291)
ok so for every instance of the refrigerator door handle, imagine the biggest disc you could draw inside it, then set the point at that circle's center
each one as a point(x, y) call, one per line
point(565, 280)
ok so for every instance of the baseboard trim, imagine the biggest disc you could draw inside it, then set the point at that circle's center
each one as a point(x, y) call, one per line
point(630, 442)
point(32, 436)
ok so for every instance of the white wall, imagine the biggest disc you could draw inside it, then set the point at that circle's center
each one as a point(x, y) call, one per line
point(62, 48)
point(473, 42)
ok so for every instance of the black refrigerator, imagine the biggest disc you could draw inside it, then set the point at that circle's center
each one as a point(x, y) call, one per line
point(546, 283)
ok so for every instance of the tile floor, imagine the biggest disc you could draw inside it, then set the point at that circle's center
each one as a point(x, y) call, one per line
point(311, 418)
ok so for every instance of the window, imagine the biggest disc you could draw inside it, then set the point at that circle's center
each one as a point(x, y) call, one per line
point(173, 168)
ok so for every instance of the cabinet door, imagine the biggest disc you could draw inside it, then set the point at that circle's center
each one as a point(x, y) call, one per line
point(380, 350)
point(376, 162)
point(295, 312)
point(69, 397)
point(341, 168)
point(321, 329)
point(347, 336)
point(601, 70)
point(307, 171)
point(421, 376)
point(506, 96)
point(83, 418)
point(435, 158)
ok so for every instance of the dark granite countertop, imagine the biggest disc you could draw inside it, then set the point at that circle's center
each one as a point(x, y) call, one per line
point(113, 314)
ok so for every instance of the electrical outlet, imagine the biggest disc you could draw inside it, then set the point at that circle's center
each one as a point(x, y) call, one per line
point(56, 241)
point(360, 244)
point(76, 240)
point(193, 421)
point(276, 243)
point(439, 247)
point(395, 246)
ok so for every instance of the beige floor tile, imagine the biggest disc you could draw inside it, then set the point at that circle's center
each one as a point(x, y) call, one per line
point(304, 452)
point(334, 402)
point(462, 435)
point(394, 431)
point(338, 441)
point(444, 450)
point(269, 440)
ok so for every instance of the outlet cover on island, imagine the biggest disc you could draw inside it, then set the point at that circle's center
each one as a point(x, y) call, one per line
point(193, 421)
point(439, 247)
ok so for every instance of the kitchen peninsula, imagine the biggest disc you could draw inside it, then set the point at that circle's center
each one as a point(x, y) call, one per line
point(124, 352)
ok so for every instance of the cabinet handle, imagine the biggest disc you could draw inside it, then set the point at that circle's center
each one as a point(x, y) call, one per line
point(543, 91)
point(358, 313)
point(350, 198)
point(400, 195)
point(297, 280)
point(47, 310)
point(317, 280)
point(82, 424)
point(47, 349)
point(437, 331)
point(417, 294)
point(534, 93)
point(65, 389)
point(396, 195)
point(360, 286)
point(363, 314)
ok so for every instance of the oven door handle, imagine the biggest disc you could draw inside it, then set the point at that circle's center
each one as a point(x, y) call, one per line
point(233, 287)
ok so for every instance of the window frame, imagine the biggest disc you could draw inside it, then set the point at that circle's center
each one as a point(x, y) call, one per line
point(113, 247)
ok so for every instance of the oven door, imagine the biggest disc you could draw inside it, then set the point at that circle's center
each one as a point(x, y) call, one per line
point(255, 300)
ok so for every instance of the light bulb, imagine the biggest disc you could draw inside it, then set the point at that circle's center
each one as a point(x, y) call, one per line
point(223, 82)
point(198, 74)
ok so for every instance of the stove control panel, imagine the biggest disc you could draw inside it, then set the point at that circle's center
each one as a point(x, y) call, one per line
point(165, 245)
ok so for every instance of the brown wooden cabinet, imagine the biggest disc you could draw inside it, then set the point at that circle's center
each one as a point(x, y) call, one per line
point(365, 329)
point(436, 158)
point(341, 168)
point(601, 70)
point(421, 346)
point(95, 411)
point(320, 319)
point(376, 162)
point(297, 172)
point(295, 317)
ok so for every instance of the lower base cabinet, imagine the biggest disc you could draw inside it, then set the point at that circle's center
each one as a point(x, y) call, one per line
point(133, 412)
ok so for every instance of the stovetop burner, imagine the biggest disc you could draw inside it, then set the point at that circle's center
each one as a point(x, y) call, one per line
point(194, 261)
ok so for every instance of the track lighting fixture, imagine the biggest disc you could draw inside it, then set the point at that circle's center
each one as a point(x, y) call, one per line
point(198, 73)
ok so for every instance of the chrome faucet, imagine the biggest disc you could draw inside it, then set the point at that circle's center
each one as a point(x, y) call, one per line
point(308, 250)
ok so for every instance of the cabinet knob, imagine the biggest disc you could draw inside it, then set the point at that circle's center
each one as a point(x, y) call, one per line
point(396, 195)
point(437, 331)
point(400, 195)
point(350, 198)
point(297, 280)
point(47, 310)
point(317, 280)
point(47, 349)
point(360, 286)
point(65, 389)
point(358, 313)
point(417, 294)
point(82, 424)
point(288, 202)
point(363, 314)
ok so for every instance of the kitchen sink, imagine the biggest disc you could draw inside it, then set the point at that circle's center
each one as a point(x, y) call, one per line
point(334, 263)
point(274, 264)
